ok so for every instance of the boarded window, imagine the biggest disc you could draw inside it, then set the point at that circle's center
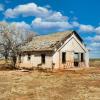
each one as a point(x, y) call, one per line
point(63, 57)
point(29, 57)
point(82, 57)
point(43, 58)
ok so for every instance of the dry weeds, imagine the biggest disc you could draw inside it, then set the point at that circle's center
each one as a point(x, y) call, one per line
point(81, 84)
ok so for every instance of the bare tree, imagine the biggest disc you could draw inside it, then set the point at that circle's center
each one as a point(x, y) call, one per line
point(10, 39)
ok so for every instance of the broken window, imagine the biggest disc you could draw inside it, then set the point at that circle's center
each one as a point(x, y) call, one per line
point(43, 58)
point(29, 57)
point(76, 56)
point(76, 59)
point(63, 57)
point(82, 57)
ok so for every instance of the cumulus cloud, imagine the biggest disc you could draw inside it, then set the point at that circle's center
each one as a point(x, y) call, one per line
point(75, 24)
point(83, 27)
point(30, 9)
point(86, 28)
point(39, 23)
point(97, 30)
point(56, 16)
point(21, 25)
point(94, 39)
point(45, 18)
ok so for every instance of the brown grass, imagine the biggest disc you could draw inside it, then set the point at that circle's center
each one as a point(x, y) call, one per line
point(95, 62)
point(68, 85)
point(82, 84)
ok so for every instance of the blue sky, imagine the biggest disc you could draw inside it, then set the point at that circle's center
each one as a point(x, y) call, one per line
point(47, 16)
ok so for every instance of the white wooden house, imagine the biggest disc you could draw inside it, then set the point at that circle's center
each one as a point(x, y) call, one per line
point(57, 50)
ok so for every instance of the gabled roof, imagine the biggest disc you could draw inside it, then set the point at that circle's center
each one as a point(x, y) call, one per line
point(47, 42)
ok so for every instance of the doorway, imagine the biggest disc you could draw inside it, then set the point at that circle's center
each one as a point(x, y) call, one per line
point(76, 59)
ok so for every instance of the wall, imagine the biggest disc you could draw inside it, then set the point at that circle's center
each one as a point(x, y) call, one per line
point(70, 46)
point(36, 60)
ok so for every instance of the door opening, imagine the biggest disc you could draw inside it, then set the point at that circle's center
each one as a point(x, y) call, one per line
point(43, 58)
point(76, 59)
point(63, 57)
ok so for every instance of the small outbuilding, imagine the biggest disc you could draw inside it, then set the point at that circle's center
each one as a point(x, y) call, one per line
point(60, 50)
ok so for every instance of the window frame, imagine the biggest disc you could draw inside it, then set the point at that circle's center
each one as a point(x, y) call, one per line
point(82, 57)
point(76, 58)
point(43, 60)
point(63, 57)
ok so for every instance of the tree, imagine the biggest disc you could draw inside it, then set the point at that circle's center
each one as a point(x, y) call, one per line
point(10, 40)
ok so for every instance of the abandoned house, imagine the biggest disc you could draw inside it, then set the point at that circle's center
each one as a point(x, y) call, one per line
point(57, 50)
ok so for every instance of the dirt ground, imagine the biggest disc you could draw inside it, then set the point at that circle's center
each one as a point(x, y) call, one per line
point(83, 84)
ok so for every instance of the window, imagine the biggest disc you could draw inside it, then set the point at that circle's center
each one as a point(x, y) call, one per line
point(29, 57)
point(63, 57)
point(76, 56)
point(76, 59)
point(43, 58)
point(82, 57)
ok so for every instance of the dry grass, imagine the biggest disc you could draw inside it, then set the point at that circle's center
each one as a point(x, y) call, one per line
point(95, 62)
point(64, 85)
point(83, 84)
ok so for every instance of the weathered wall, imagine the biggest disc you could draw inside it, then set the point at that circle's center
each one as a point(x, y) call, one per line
point(70, 46)
point(35, 60)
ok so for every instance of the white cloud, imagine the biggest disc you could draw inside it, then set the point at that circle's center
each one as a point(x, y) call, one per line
point(75, 24)
point(56, 16)
point(21, 25)
point(86, 28)
point(42, 24)
point(44, 18)
point(30, 9)
point(82, 27)
point(94, 39)
point(1, 7)
point(48, 18)
point(97, 30)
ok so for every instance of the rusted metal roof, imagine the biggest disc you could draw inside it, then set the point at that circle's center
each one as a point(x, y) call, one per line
point(46, 42)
